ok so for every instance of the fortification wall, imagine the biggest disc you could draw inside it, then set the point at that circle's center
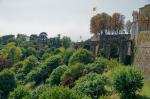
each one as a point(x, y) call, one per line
point(142, 53)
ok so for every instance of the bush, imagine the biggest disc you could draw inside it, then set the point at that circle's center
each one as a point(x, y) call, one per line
point(82, 56)
point(7, 82)
point(72, 74)
point(56, 74)
point(99, 66)
point(29, 63)
point(127, 80)
point(20, 93)
point(36, 93)
point(91, 84)
point(62, 93)
point(67, 54)
point(39, 74)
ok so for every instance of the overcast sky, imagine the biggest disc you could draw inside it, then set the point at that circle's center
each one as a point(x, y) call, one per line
point(65, 17)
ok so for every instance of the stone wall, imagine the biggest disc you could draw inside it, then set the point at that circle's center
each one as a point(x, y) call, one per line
point(142, 53)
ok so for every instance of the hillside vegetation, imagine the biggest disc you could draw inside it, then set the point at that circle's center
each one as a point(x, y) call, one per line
point(50, 68)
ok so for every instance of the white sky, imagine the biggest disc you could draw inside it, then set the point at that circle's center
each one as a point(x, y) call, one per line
point(65, 17)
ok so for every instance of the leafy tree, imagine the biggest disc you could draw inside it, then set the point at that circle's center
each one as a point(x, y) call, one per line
point(29, 51)
point(29, 63)
point(126, 81)
point(91, 84)
point(83, 56)
point(117, 22)
point(42, 39)
point(7, 82)
point(38, 91)
point(7, 38)
point(99, 66)
point(66, 41)
point(100, 23)
point(71, 74)
point(20, 92)
point(62, 93)
point(67, 54)
point(55, 76)
point(42, 72)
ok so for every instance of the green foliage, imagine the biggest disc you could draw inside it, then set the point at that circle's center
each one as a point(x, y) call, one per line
point(67, 54)
point(7, 82)
point(71, 74)
point(55, 76)
point(127, 80)
point(62, 93)
point(66, 41)
point(99, 66)
point(17, 67)
point(91, 84)
point(36, 93)
point(20, 93)
point(29, 63)
point(83, 56)
point(42, 72)
point(29, 51)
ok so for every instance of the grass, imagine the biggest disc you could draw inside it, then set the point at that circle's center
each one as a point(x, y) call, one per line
point(145, 92)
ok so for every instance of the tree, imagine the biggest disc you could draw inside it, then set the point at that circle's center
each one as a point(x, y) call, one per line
point(126, 81)
point(67, 54)
point(128, 26)
point(117, 22)
point(56, 74)
point(83, 56)
point(91, 84)
point(42, 39)
point(100, 23)
point(66, 41)
point(38, 91)
point(42, 72)
point(99, 66)
point(62, 93)
point(105, 24)
point(20, 92)
point(29, 63)
point(7, 82)
point(7, 38)
point(71, 74)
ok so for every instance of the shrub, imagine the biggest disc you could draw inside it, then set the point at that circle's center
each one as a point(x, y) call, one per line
point(72, 74)
point(67, 54)
point(99, 66)
point(127, 80)
point(20, 93)
point(83, 56)
point(55, 76)
point(91, 84)
point(17, 67)
point(39, 74)
point(7, 82)
point(36, 93)
point(29, 63)
point(62, 93)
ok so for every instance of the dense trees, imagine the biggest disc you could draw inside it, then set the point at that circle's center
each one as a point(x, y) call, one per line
point(62, 93)
point(49, 68)
point(91, 84)
point(7, 83)
point(20, 92)
point(83, 56)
